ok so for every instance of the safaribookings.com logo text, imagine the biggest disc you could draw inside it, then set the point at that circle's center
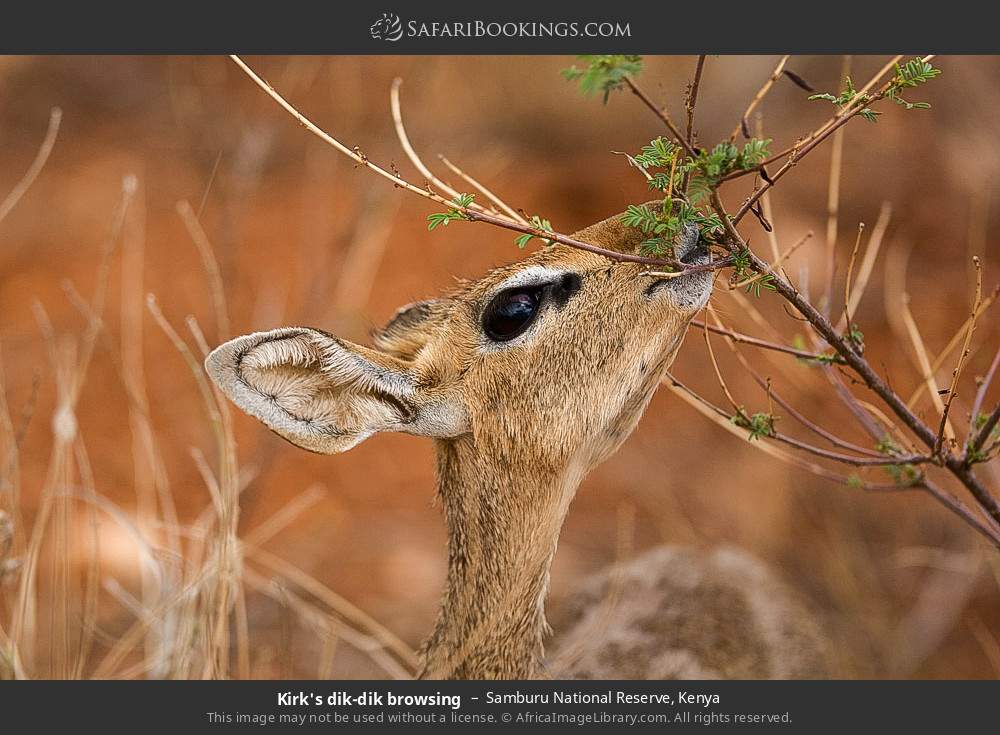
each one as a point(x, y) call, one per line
point(390, 27)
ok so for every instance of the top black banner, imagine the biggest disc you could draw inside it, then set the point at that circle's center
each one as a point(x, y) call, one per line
point(511, 27)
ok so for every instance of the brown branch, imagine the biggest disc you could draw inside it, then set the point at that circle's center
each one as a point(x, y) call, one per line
point(856, 362)
point(977, 442)
point(726, 420)
point(761, 94)
point(823, 130)
point(766, 386)
point(861, 100)
point(692, 98)
point(468, 213)
point(663, 115)
point(990, 528)
point(764, 344)
point(952, 344)
point(885, 461)
point(850, 276)
point(962, 357)
point(977, 404)
point(804, 446)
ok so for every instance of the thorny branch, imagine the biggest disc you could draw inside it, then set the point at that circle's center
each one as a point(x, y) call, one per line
point(846, 358)
point(468, 212)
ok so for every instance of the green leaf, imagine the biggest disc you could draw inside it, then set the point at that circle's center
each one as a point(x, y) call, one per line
point(765, 282)
point(753, 153)
point(759, 425)
point(603, 73)
point(443, 218)
point(539, 223)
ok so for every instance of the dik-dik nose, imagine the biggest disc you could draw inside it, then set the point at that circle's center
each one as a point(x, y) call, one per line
point(688, 292)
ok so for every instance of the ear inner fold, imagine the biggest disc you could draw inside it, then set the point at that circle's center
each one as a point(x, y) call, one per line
point(311, 388)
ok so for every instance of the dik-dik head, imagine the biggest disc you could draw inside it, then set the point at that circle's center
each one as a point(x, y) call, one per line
point(552, 357)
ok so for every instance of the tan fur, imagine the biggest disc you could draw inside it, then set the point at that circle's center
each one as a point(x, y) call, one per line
point(517, 427)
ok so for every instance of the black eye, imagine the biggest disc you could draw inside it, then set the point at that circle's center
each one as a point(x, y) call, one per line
point(511, 312)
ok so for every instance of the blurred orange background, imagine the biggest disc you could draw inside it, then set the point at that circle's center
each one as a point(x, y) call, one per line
point(303, 236)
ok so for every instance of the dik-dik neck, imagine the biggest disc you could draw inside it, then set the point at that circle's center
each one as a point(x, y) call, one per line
point(503, 513)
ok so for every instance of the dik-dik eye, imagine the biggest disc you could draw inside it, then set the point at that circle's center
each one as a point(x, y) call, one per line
point(511, 312)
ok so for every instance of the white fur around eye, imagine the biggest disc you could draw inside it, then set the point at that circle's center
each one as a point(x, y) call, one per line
point(531, 276)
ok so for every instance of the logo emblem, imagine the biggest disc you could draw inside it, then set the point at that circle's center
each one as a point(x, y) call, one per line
point(387, 28)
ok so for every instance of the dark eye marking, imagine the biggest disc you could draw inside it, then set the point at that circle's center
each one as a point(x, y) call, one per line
point(513, 310)
point(564, 289)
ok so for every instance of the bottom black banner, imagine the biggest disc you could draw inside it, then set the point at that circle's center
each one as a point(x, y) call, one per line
point(539, 706)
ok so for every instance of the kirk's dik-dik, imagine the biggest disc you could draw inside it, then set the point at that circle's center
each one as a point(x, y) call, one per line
point(527, 379)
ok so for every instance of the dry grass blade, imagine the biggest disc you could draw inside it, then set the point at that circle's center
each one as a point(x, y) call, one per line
point(833, 201)
point(348, 612)
point(48, 143)
point(285, 515)
point(923, 361)
point(359, 269)
point(320, 623)
point(211, 266)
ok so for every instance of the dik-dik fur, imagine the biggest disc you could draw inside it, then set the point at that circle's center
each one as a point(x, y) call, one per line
point(527, 379)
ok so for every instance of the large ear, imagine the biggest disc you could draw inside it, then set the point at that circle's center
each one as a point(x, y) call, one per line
point(411, 327)
point(327, 395)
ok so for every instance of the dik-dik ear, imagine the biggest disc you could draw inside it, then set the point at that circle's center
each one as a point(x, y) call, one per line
point(411, 327)
point(327, 395)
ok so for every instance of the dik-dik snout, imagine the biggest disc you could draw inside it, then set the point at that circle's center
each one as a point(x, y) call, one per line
point(550, 357)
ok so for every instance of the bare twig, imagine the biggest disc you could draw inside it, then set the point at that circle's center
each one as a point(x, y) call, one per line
point(822, 133)
point(867, 262)
point(955, 464)
point(777, 261)
point(764, 344)
point(664, 116)
point(510, 211)
point(984, 386)
point(468, 213)
point(949, 348)
point(850, 275)
point(963, 355)
point(404, 142)
point(692, 98)
point(210, 264)
point(761, 94)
